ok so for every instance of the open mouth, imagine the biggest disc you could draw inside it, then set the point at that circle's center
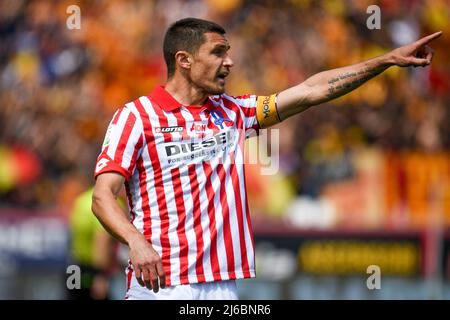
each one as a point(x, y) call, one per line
point(222, 76)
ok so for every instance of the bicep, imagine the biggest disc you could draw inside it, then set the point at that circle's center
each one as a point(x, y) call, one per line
point(109, 182)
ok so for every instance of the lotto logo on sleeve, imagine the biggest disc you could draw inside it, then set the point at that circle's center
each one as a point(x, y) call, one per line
point(169, 129)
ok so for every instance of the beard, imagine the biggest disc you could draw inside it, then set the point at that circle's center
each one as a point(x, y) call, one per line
point(216, 91)
point(209, 85)
point(216, 88)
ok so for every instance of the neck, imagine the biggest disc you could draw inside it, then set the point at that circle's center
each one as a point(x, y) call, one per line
point(184, 92)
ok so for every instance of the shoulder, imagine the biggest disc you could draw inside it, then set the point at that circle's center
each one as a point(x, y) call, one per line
point(139, 106)
point(132, 113)
point(245, 100)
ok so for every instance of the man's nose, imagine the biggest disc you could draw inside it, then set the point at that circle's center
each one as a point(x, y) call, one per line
point(228, 62)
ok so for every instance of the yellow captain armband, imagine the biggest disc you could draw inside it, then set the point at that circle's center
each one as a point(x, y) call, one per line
point(266, 111)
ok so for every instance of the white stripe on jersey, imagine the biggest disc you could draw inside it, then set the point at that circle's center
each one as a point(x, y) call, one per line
point(223, 263)
point(153, 197)
point(204, 222)
point(189, 225)
point(116, 134)
point(173, 218)
point(247, 231)
point(136, 133)
point(189, 207)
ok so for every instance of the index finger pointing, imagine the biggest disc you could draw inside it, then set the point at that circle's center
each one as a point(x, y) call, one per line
point(427, 39)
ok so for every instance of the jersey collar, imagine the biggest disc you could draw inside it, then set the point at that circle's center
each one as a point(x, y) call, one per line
point(168, 103)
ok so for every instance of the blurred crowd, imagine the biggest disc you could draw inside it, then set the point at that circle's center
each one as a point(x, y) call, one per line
point(364, 154)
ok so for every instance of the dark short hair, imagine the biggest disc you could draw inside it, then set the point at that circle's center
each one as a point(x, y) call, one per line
point(188, 35)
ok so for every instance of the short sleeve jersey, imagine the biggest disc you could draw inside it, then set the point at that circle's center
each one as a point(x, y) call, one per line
point(184, 173)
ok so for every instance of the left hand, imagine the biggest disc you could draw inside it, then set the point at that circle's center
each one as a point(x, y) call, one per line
point(416, 54)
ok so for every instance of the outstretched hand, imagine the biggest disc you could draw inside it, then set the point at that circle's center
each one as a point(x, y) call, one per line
point(416, 54)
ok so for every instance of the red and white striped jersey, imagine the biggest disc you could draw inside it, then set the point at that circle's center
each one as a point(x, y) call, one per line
point(184, 171)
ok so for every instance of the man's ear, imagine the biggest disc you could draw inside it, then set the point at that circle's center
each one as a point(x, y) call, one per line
point(183, 59)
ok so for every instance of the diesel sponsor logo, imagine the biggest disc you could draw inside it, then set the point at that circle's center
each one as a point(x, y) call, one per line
point(169, 129)
point(188, 147)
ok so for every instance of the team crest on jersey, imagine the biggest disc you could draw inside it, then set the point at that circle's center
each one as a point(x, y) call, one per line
point(169, 129)
point(219, 120)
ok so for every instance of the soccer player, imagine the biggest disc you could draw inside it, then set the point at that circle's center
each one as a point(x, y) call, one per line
point(179, 153)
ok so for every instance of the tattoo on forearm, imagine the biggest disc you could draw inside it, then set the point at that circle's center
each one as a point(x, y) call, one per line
point(348, 81)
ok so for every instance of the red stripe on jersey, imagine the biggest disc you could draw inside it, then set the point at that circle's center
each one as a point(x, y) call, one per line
point(240, 219)
point(249, 111)
point(239, 124)
point(247, 216)
point(130, 201)
point(215, 267)
point(195, 193)
point(161, 194)
point(116, 118)
point(137, 147)
point(181, 210)
point(231, 106)
point(114, 121)
point(148, 133)
point(159, 184)
point(181, 227)
point(226, 222)
point(243, 97)
point(196, 116)
point(181, 122)
point(129, 275)
point(145, 200)
point(125, 136)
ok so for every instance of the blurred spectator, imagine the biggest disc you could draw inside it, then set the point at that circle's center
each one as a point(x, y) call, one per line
point(92, 249)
